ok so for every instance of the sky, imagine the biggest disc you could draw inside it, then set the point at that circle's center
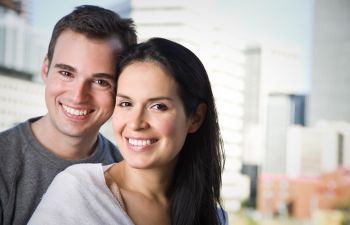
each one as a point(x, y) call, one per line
point(271, 21)
point(282, 20)
point(288, 22)
point(45, 14)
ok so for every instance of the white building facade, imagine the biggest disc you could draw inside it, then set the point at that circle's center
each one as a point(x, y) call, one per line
point(323, 148)
point(22, 47)
point(20, 100)
point(22, 50)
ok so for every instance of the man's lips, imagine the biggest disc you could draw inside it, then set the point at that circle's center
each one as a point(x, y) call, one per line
point(75, 111)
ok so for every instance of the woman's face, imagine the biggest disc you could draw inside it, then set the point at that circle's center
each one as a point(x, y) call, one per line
point(149, 119)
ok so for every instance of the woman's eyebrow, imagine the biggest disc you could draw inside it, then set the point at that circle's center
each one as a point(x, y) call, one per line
point(150, 99)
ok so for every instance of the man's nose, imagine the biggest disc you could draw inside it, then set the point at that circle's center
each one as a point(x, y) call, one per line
point(80, 91)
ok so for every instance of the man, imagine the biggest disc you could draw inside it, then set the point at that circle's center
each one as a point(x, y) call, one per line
point(79, 75)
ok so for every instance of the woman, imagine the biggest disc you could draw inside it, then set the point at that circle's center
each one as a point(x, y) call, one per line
point(166, 127)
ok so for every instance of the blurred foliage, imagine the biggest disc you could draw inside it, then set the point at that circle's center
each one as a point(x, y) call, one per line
point(344, 206)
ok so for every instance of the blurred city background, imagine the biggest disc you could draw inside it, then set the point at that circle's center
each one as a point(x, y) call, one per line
point(280, 71)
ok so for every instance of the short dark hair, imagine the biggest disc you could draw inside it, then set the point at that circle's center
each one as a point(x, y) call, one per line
point(195, 189)
point(94, 22)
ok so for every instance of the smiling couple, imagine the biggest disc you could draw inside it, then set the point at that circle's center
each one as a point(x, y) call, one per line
point(168, 164)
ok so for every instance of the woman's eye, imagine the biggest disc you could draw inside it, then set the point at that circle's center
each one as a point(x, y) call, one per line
point(160, 107)
point(124, 104)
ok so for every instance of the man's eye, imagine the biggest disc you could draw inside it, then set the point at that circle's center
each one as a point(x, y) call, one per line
point(65, 73)
point(160, 107)
point(103, 83)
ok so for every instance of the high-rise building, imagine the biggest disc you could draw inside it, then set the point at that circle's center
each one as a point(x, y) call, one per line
point(331, 56)
point(274, 100)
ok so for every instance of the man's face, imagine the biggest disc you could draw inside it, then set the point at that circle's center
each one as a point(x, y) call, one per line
point(80, 84)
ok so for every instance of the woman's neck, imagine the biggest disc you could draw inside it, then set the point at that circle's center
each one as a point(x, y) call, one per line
point(144, 193)
point(151, 183)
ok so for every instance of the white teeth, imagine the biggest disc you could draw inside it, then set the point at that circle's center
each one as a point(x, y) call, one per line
point(139, 142)
point(75, 111)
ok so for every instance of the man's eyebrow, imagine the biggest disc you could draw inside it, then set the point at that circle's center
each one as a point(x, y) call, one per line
point(105, 76)
point(65, 67)
point(73, 70)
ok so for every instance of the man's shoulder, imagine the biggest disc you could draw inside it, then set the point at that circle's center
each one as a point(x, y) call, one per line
point(11, 131)
point(18, 130)
point(106, 142)
point(12, 136)
point(14, 142)
point(23, 126)
point(10, 160)
point(109, 149)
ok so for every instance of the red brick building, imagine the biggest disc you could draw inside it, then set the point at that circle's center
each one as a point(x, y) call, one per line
point(299, 197)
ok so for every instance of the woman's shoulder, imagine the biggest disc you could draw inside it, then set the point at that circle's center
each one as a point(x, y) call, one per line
point(82, 167)
point(83, 174)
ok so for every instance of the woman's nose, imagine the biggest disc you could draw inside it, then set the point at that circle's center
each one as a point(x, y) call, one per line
point(139, 120)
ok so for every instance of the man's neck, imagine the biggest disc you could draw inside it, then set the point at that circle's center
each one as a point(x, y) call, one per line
point(64, 146)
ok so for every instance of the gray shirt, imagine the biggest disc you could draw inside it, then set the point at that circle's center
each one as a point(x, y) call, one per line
point(27, 169)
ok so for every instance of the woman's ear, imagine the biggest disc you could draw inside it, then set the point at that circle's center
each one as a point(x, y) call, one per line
point(197, 118)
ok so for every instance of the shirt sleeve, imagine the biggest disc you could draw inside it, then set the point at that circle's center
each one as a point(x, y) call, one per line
point(61, 203)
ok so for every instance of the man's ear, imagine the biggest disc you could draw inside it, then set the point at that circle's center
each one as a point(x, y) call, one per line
point(45, 69)
point(197, 118)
